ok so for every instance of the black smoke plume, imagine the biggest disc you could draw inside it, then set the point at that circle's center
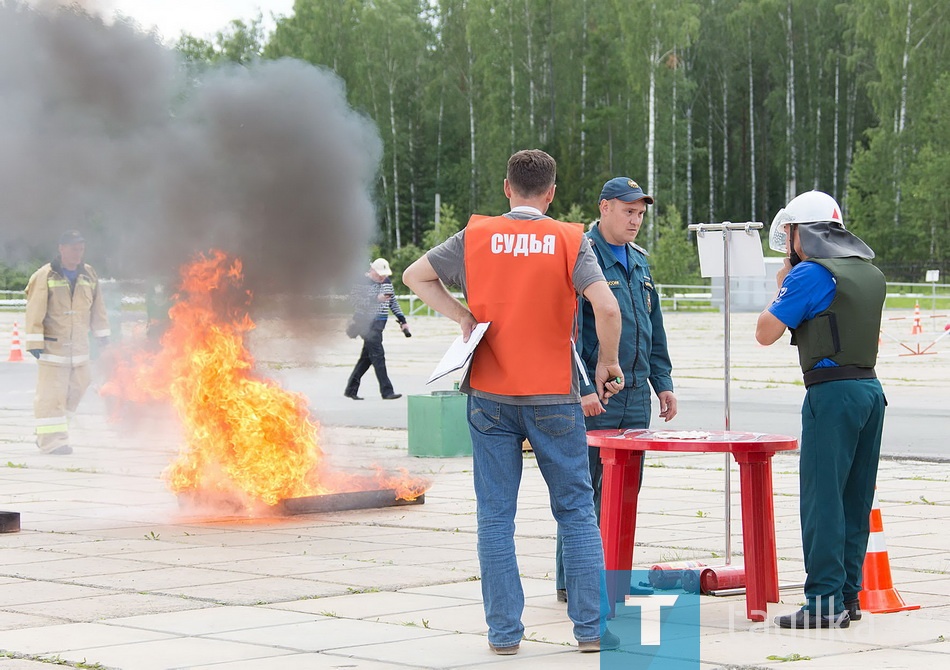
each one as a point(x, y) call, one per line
point(104, 129)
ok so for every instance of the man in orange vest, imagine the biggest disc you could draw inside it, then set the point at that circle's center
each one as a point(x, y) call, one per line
point(522, 272)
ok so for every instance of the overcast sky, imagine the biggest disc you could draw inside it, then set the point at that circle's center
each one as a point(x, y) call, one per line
point(201, 18)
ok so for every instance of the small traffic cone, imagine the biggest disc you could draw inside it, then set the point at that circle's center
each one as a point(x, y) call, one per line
point(878, 594)
point(917, 329)
point(16, 351)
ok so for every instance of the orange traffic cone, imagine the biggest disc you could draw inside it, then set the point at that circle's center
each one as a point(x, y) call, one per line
point(917, 329)
point(878, 594)
point(16, 351)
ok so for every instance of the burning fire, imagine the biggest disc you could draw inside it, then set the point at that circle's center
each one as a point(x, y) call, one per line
point(247, 440)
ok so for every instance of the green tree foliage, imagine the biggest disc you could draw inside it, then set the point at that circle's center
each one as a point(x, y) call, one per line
point(238, 42)
point(723, 111)
point(674, 259)
point(897, 195)
point(577, 214)
point(14, 278)
point(448, 224)
point(926, 178)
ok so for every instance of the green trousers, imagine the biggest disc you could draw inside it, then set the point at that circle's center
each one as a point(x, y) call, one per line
point(842, 422)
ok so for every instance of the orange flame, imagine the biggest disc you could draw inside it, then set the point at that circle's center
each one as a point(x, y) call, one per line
point(246, 438)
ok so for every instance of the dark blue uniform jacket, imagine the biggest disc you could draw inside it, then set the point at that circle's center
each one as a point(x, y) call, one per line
point(643, 350)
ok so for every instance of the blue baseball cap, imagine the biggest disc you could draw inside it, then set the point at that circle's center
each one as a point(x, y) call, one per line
point(624, 188)
point(71, 237)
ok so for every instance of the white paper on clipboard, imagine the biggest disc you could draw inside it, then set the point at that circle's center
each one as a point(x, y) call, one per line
point(459, 354)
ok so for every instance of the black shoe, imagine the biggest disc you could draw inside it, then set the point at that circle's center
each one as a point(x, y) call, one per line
point(562, 595)
point(352, 396)
point(805, 619)
point(63, 450)
point(854, 609)
point(392, 396)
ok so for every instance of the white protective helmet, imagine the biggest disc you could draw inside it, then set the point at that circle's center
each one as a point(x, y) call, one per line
point(810, 207)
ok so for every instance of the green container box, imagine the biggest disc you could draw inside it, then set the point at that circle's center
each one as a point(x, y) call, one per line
point(438, 426)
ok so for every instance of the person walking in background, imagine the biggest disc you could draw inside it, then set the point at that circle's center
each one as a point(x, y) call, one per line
point(374, 300)
point(63, 303)
point(644, 355)
point(522, 272)
point(830, 297)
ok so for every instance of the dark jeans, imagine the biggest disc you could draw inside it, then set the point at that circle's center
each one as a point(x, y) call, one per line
point(372, 354)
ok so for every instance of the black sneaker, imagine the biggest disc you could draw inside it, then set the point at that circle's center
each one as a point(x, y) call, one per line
point(805, 619)
point(392, 396)
point(854, 609)
point(352, 396)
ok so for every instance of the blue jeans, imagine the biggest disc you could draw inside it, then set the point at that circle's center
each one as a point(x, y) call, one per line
point(628, 409)
point(559, 441)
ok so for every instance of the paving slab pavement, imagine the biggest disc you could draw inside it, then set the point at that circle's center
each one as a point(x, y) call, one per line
point(108, 569)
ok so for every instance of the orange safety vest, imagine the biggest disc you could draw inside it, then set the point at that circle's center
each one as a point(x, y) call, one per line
point(520, 277)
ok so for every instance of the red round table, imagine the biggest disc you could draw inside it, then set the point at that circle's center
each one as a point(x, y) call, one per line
point(622, 454)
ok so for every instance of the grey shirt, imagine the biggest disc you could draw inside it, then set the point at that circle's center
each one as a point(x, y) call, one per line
point(448, 261)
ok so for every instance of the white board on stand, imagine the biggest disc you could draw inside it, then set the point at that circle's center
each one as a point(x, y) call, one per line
point(745, 253)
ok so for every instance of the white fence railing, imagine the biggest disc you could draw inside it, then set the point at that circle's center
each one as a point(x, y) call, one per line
point(672, 296)
point(12, 299)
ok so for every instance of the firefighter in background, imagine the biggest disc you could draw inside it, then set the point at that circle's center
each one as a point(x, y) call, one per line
point(830, 297)
point(63, 303)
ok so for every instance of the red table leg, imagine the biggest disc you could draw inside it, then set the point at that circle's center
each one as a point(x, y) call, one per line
point(758, 533)
point(618, 505)
point(618, 514)
point(771, 559)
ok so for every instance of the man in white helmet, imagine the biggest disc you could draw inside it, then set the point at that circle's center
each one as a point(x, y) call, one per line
point(830, 297)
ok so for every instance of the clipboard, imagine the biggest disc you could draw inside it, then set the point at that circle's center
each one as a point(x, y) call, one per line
point(459, 354)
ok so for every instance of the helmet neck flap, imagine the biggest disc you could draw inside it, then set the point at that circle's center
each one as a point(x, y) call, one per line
point(831, 240)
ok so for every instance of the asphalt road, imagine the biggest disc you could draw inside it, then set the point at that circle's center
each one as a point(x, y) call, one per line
point(765, 394)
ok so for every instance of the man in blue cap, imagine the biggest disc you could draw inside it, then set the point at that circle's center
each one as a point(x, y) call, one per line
point(643, 351)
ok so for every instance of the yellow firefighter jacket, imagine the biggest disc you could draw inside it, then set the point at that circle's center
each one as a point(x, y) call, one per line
point(59, 317)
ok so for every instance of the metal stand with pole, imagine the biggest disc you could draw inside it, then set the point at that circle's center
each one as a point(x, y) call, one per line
point(727, 228)
point(933, 276)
